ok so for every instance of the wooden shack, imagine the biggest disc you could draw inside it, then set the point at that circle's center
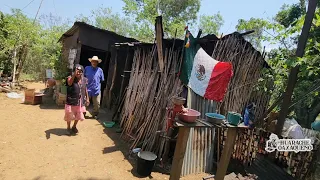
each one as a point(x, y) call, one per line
point(120, 66)
point(83, 41)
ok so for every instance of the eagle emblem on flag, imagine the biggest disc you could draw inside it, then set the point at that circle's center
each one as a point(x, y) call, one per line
point(201, 72)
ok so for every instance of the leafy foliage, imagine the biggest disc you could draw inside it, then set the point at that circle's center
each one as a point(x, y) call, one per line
point(105, 18)
point(284, 31)
point(306, 93)
point(211, 24)
point(256, 24)
point(176, 14)
point(289, 14)
point(36, 45)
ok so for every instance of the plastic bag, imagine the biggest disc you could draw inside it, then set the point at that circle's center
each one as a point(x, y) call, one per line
point(14, 95)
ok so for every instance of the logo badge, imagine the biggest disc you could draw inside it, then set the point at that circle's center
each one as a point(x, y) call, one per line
point(289, 145)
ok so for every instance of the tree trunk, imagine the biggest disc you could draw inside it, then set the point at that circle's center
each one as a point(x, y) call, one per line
point(22, 59)
point(14, 61)
point(295, 70)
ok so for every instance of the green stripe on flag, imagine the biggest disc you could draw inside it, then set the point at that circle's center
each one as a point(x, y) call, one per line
point(188, 57)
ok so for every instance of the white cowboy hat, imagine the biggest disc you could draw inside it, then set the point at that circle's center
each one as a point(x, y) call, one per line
point(95, 58)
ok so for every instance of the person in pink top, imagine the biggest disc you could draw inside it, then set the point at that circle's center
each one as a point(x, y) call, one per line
point(77, 98)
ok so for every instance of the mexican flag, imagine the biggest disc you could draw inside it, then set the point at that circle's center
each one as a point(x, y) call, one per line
point(206, 76)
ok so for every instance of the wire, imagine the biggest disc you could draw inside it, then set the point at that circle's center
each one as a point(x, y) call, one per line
point(229, 27)
point(54, 6)
point(16, 8)
point(304, 97)
point(27, 5)
point(37, 12)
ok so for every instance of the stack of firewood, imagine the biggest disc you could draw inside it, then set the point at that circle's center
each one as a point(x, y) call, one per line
point(298, 164)
point(5, 87)
point(246, 146)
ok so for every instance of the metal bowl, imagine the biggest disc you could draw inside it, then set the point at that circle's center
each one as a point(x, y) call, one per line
point(178, 100)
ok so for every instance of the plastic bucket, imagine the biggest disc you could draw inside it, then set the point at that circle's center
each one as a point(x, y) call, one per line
point(146, 162)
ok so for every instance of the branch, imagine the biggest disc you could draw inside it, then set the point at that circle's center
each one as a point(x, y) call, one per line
point(275, 104)
point(303, 97)
point(282, 41)
point(247, 33)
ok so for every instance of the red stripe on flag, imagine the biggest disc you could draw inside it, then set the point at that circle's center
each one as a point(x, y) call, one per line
point(219, 80)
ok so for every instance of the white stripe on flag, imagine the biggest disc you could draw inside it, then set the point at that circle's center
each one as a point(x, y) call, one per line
point(198, 81)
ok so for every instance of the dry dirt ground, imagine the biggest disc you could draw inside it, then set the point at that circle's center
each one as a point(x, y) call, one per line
point(33, 146)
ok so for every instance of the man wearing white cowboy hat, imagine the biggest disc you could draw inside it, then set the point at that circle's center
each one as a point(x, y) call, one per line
point(95, 76)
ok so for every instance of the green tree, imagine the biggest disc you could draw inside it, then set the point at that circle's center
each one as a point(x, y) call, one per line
point(105, 18)
point(211, 24)
point(176, 15)
point(289, 14)
point(4, 65)
point(289, 21)
point(45, 51)
point(259, 26)
point(30, 47)
point(21, 32)
point(85, 19)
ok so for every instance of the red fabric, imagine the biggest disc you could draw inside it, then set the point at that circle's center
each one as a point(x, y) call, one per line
point(218, 84)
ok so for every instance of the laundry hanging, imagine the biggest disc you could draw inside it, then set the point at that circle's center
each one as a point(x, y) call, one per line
point(206, 76)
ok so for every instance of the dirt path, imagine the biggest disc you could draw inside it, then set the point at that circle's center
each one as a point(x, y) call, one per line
point(33, 145)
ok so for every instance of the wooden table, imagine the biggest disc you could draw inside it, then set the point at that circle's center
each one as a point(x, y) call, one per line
point(227, 150)
point(180, 150)
point(183, 135)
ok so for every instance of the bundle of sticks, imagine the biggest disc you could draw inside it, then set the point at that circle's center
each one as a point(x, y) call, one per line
point(246, 147)
point(300, 164)
point(147, 96)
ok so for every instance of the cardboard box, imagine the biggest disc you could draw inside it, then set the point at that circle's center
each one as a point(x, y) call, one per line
point(31, 97)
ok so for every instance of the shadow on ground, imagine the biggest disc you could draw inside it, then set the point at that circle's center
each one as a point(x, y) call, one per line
point(45, 106)
point(50, 106)
point(57, 132)
point(120, 144)
point(92, 178)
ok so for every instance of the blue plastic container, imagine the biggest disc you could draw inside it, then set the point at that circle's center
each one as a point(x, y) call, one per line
point(215, 118)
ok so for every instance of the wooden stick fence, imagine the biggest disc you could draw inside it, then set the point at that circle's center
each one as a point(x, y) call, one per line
point(148, 95)
point(247, 64)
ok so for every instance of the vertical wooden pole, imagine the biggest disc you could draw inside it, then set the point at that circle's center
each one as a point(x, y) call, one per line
point(115, 62)
point(179, 153)
point(295, 70)
point(226, 153)
point(159, 38)
point(123, 75)
point(167, 146)
point(14, 60)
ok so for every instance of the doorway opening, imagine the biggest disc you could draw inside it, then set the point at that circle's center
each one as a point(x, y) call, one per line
point(88, 52)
